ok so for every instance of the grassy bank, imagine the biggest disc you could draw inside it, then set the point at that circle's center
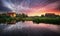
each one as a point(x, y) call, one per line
point(50, 20)
point(47, 20)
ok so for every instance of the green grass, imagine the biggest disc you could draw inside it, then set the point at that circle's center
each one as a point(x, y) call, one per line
point(47, 20)
point(54, 20)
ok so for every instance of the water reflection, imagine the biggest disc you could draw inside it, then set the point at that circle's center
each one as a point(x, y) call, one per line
point(30, 27)
point(11, 22)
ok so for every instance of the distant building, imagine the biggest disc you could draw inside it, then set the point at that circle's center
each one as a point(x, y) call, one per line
point(50, 15)
point(11, 14)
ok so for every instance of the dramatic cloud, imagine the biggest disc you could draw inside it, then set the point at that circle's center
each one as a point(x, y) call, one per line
point(36, 7)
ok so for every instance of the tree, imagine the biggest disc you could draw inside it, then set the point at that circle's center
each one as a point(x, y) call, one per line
point(42, 15)
point(24, 15)
point(21, 15)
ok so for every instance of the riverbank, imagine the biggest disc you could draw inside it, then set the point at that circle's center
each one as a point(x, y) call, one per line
point(50, 20)
point(41, 20)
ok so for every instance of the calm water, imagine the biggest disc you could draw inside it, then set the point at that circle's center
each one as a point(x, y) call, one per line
point(28, 28)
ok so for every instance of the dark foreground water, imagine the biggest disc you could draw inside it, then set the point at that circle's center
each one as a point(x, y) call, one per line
point(28, 28)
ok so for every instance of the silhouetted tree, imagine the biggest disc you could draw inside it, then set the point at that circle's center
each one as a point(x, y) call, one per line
point(42, 15)
point(24, 15)
point(21, 15)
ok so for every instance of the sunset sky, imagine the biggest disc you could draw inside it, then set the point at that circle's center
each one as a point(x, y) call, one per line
point(31, 7)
